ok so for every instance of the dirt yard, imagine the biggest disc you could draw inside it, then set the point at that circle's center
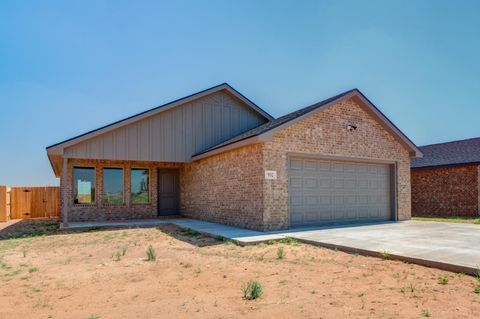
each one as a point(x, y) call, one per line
point(106, 274)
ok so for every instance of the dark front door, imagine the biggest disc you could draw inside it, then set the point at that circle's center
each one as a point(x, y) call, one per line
point(168, 192)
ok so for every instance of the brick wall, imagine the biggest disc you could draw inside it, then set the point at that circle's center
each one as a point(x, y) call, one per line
point(446, 191)
point(325, 133)
point(99, 211)
point(225, 188)
point(230, 187)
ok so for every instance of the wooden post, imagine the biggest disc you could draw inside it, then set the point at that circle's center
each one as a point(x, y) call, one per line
point(3, 204)
point(64, 192)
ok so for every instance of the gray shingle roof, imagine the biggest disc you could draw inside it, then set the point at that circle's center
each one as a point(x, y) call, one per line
point(449, 153)
point(275, 123)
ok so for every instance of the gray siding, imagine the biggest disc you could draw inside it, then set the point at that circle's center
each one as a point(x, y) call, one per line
point(173, 135)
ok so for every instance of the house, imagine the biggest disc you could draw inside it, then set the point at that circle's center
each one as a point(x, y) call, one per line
point(445, 182)
point(217, 156)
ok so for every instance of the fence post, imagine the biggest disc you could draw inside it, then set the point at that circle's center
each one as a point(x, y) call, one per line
point(3, 204)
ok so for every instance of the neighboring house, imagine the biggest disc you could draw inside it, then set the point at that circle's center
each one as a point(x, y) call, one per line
point(445, 182)
point(216, 156)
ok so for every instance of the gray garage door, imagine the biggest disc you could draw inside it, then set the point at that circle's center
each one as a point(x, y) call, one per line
point(327, 192)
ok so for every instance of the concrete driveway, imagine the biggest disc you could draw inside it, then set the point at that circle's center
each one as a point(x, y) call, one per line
point(451, 246)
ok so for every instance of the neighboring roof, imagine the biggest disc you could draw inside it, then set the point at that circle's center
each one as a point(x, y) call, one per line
point(293, 117)
point(161, 108)
point(449, 153)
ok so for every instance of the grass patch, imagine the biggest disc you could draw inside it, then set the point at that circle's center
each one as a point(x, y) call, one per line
point(252, 290)
point(452, 219)
point(443, 280)
point(289, 241)
point(151, 254)
point(190, 232)
point(477, 289)
point(385, 255)
point(425, 313)
point(281, 253)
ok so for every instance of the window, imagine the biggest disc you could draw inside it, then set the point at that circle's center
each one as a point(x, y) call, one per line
point(113, 186)
point(83, 185)
point(139, 186)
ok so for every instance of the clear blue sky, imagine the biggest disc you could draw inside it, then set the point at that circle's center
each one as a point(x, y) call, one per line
point(67, 67)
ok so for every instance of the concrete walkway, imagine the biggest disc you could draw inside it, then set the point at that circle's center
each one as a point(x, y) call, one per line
point(241, 235)
point(449, 246)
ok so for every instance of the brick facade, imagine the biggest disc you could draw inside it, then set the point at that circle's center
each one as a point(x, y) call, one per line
point(230, 187)
point(99, 211)
point(225, 188)
point(324, 133)
point(446, 191)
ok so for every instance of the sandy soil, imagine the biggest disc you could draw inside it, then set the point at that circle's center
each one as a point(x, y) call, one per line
point(105, 274)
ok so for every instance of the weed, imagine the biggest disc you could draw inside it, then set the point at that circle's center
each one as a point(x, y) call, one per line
point(477, 273)
point(24, 251)
point(281, 253)
point(252, 290)
point(402, 290)
point(93, 317)
point(289, 241)
point(187, 265)
point(198, 270)
point(117, 256)
point(33, 269)
point(443, 280)
point(283, 282)
point(477, 289)
point(124, 250)
point(385, 255)
point(151, 254)
point(4, 266)
point(189, 232)
point(425, 313)
point(229, 242)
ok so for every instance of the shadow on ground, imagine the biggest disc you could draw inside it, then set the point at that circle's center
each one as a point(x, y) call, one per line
point(190, 236)
point(45, 227)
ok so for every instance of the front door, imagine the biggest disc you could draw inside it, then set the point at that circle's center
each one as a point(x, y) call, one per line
point(168, 192)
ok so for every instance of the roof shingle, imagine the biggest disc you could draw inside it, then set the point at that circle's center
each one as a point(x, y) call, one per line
point(449, 153)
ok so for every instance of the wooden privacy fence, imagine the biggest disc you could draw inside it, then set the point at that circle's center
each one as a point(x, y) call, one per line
point(29, 202)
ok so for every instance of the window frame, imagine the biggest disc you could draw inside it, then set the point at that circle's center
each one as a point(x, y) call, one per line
point(149, 202)
point(75, 187)
point(123, 185)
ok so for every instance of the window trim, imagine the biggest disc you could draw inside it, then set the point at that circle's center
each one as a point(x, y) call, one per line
point(149, 185)
point(123, 185)
point(94, 202)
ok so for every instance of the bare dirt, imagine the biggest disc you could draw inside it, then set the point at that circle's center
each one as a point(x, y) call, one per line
point(105, 274)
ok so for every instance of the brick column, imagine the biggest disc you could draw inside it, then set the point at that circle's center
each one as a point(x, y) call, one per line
point(64, 191)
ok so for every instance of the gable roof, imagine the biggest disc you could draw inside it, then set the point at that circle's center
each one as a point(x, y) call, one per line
point(224, 86)
point(449, 153)
point(264, 132)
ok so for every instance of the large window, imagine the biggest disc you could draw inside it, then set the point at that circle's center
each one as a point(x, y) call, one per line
point(113, 186)
point(139, 186)
point(83, 185)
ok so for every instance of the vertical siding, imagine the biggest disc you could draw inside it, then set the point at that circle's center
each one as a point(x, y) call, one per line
point(174, 135)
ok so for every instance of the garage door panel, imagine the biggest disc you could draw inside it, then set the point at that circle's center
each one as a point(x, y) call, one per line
point(330, 191)
point(310, 165)
point(310, 182)
point(296, 164)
